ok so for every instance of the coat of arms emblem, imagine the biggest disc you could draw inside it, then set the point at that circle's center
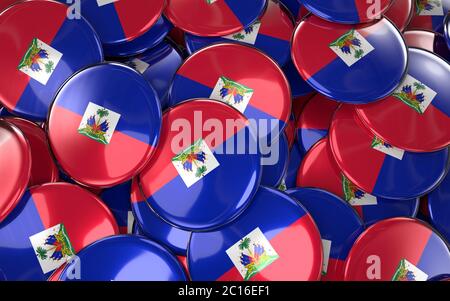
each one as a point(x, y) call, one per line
point(98, 123)
point(232, 93)
point(415, 94)
point(351, 47)
point(429, 8)
point(355, 196)
point(406, 271)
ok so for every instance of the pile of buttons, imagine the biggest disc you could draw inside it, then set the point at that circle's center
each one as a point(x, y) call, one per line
point(217, 140)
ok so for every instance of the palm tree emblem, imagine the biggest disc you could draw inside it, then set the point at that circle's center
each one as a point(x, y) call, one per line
point(97, 126)
point(56, 246)
point(35, 58)
point(350, 190)
point(412, 95)
point(349, 44)
point(233, 92)
point(193, 156)
point(402, 273)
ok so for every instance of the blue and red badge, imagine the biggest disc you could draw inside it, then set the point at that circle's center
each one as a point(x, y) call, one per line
point(430, 14)
point(158, 65)
point(117, 199)
point(439, 208)
point(43, 167)
point(270, 34)
point(240, 76)
point(214, 18)
point(205, 146)
point(152, 226)
point(347, 11)
point(428, 40)
point(275, 159)
point(328, 210)
point(38, 54)
point(51, 223)
point(274, 239)
point(400, 13)
point(416, 117)
point(104, 125)
point(314, 121)
point(15, 166)
point(124, 258)
point(378, 167)
point(397, 249)
point(319, 170)
point(350, 63)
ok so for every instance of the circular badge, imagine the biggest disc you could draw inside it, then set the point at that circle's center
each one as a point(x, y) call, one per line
point(439, 207)
point(205, 146)
point(430, 15)
point(51, 223)
point(315, 121)
point(416, 117)
point(104, 124)
point(328, 210)
point(319, 169)
point(15, 166)
point(152, 226)
point(39, 54)
point(117, 199)
point(350, 63)
point(397, 249)
point(154, 36)
point(347, 11)
point(270, 34)
point(158, 65)
point(124, 258)
point(400, 13)
point(43, 168)
point(275, 161)
point(379, 168)
point(428, 40)
point(274, 239)
point(240, 76)
point(121, 21)
point(214, 18)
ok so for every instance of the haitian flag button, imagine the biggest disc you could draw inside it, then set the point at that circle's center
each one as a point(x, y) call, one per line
point(51, 223)
point(119, 21)
point(150, 39)
point(205, 146)
point(274, 239)
point(379, 168)
point(319, 169)
point(400, 13)
point(439, 208)
point(152, 226)
point(242, 77)
point(124, 258)
point(39, 54)
point(416, 117)
point(347, 11)
point(271, 34)
point(117, 199)
point(104, 125)
point(43, 167)
point(428, 40)
point(328, 210)
point(350, 63)
point(213, 18)
point(159, 66)
point(15, 166)
point(430, 14)
point(397, 249)
point(275, 159)
point(314, 121)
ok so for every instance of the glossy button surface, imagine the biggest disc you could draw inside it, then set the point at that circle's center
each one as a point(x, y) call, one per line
point(213, 18)
point(350, 63)
point(85, 219)
point(104, 124)
point(416, 117)
point(398, 249)
point(347, 11)
point(400, 13)
point(39, 54)
point(183, 182)
point(275, 233)
point(15, 166)
point(379, 168)
point(125, 258)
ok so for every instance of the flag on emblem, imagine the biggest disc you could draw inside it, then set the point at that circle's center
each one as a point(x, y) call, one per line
point(406, 271)
point(232, 93)
point(98, 123)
